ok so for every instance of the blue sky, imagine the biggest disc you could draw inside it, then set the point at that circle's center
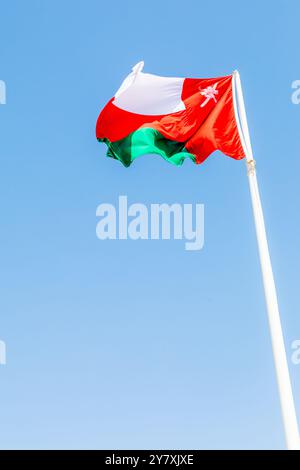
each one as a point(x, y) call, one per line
point(141, 344)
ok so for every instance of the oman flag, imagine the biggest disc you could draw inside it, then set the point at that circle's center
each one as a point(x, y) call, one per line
point(173, 117)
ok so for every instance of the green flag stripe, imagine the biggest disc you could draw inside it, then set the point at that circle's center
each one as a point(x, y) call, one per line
point(146, 141)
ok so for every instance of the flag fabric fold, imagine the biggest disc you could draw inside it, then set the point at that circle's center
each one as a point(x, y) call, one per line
point(173, 117)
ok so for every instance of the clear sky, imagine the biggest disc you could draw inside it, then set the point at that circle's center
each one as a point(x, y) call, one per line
point(141, 344)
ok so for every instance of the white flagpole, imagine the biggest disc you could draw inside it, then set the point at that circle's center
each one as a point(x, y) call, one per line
point(281, 365)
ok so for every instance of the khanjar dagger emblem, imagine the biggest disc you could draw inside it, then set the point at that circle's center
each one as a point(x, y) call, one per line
point(210, 94)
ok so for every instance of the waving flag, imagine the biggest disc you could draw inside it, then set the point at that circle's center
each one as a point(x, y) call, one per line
point(191, 117)
point(173, 117)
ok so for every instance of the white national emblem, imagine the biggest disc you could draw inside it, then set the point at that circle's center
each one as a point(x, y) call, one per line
point(210, 94)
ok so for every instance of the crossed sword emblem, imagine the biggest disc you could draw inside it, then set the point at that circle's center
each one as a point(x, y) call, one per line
point(210, 94)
